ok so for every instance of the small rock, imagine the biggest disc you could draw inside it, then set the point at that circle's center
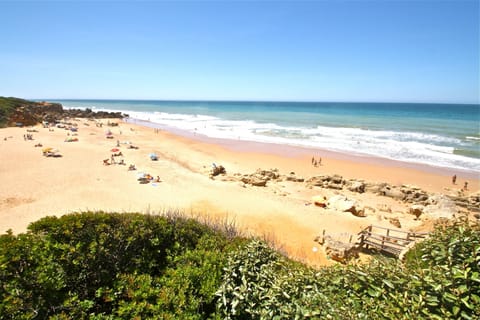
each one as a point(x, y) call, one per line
point(216, 170)
point(333, 185)
point(393, 193)
point(254, 181)
point(356, 186)
point(416, 210)
point(293, 178)
point(395, 222)
point(384, 207)
point(337, 179)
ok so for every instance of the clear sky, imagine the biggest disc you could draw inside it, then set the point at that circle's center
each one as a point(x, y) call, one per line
point(407, 51)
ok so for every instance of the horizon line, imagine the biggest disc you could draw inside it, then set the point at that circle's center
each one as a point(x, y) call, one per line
point(260, 100)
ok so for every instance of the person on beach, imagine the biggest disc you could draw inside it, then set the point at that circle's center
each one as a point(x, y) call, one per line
point(319, 161)
point(313, 160)
point(454, 179)
point(465, 186)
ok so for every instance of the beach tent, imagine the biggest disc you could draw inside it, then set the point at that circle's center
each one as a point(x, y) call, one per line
point(320, 201)
point(50, 152)
point(153, 156)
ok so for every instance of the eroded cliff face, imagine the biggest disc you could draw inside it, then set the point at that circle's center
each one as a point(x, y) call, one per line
point(31, 113)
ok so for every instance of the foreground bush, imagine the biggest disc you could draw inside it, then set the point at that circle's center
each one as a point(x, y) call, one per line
point(439, 280)
point(98, 265)
point(133, 266)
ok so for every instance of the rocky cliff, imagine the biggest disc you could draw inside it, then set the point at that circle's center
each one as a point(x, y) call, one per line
point(14, 111)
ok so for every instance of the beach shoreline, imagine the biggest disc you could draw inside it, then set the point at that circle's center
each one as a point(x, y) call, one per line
point(291, 151)
point(35, 186)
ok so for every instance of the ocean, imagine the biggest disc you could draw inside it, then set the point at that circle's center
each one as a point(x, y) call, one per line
point(440, 135)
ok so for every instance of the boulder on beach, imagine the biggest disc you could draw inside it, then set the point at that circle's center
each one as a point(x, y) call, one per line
point(392, 192)
point(356, 186)
point(416, 210)
point(337, 250)
point(216, 170)
point(343, 204)
point(440, 207)
point(254, 181)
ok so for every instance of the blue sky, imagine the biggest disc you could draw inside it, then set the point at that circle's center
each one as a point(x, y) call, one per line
point(407, 51)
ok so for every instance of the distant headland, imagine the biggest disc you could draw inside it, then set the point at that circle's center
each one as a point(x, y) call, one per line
point(20, 112)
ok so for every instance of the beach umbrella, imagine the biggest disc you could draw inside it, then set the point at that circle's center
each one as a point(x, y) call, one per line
point(115, 150)
point(153, 156)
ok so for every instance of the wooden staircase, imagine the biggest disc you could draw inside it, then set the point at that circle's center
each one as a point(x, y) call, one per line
point(388, 240)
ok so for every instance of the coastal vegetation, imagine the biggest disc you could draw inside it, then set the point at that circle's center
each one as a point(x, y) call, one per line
point(97, 265)
point(8, 106)
point(21, 112)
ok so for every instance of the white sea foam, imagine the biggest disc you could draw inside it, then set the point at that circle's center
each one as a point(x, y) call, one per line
point(413, 147)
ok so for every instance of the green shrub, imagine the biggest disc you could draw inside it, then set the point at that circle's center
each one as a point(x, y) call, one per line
point(448, 268)
point(31, 279)
point(104, 265)
point(7, 106)
point(440, 280)
point(134, 266)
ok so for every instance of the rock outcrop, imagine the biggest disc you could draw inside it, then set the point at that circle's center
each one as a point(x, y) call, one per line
point(440, 207)
point(260, 177)
point(405, 193)
point(424, 205)
point(29, 113)
point(337, 250)
point(343, 204)
point(416, 210)
point(216, 170)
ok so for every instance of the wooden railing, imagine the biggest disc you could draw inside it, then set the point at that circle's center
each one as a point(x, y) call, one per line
point(388, 240)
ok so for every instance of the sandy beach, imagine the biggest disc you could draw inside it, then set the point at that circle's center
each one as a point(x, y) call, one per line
point(34, 186)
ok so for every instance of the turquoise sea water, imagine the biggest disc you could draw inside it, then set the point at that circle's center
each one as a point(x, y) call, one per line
point(442, 135)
